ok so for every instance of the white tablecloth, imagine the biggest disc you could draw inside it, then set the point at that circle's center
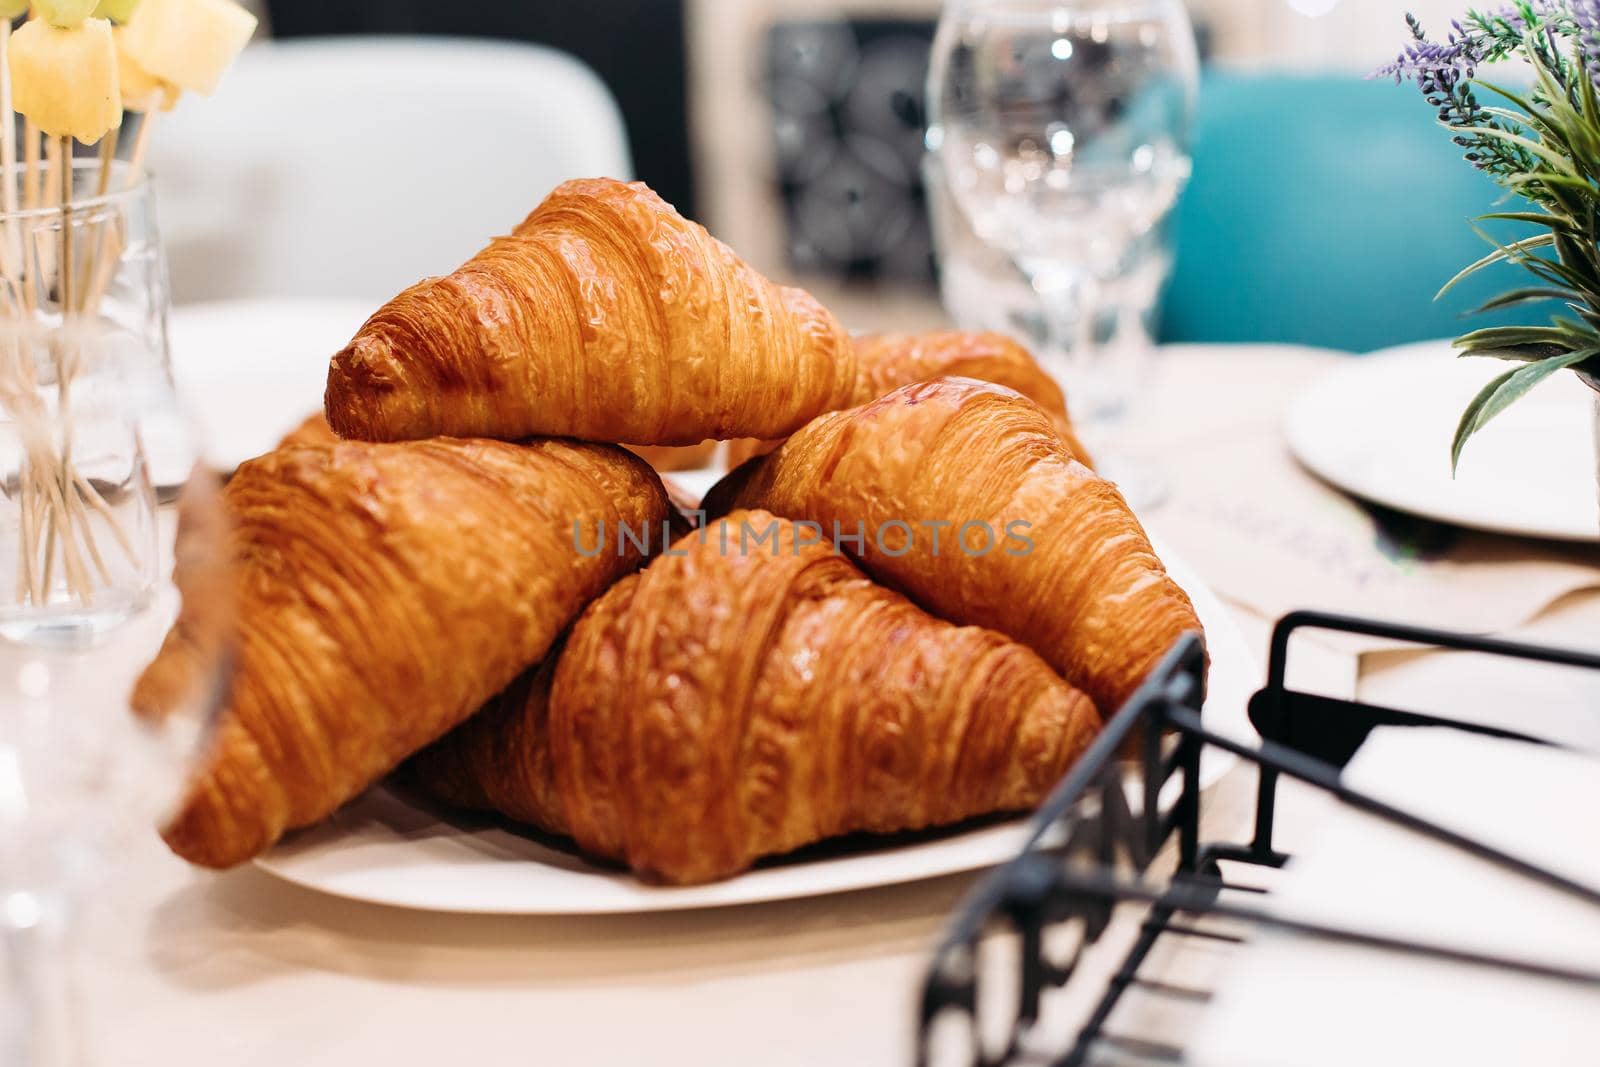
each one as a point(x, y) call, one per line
point(241, 969)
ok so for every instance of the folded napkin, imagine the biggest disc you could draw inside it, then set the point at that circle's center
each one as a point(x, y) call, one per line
point(1294, 1001)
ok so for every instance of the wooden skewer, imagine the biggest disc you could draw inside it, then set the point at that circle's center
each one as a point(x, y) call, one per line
point(30, 154)
point(110, 250)
point(63, 154)
point(8, 156)
point(27, 580)
point(141, 148)
point(61, 537)
point(48, 251)
point(108, 156)
point(86, 273)
point(48, 577)
point(80, 520)
point(92, 497)
point(30, 202)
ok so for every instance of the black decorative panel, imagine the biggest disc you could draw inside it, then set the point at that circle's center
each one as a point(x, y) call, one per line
point(846, 101)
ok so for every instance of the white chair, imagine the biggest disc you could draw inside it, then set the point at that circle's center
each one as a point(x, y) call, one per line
point(353, 167)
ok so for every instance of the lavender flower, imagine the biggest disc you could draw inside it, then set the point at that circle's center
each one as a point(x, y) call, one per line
point(1586, 13)
point(1444, 73)
point(1444, 63)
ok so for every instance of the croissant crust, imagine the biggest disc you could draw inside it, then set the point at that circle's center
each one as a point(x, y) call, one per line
point(605, 316)
point(727, 704)
point(885, 362)
point(1068, 569)
point(384, 593)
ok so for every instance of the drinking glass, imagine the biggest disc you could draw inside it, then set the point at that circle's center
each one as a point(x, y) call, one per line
point(1061, 128)
point(119, 273)
point(83, 301)
point(982, 289)
point(107, 515)
point(89, 758)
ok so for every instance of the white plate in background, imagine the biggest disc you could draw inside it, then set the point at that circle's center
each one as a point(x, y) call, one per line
point(384, 850)
point(1381, 428)
point(249, 371)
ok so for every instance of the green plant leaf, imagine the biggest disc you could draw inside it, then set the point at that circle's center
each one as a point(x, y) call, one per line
point(1559, 163)
point(1534, 218)
point(1512, 354)
point(1506, 390)
point(1516, 99)
point(1513, 336)
point(1588, 315)
point(1518, 297)
point(1471, 421)
point(1556, 271)
point(1574, 257)
point(1501, 254)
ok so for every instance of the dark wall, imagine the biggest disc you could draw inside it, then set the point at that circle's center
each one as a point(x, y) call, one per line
point(636, 46)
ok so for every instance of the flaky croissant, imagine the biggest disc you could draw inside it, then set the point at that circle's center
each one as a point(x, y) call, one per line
point(606, 316)
point(313, 430)
point(966, 499)
point(729, 703)
point(885, 362)
point(668, 458)
point(383, 593)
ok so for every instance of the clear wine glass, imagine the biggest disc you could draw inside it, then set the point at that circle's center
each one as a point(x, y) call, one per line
point(97, 467)
point(1062, 130)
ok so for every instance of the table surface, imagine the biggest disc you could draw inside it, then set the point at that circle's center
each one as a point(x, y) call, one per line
point(202, 968)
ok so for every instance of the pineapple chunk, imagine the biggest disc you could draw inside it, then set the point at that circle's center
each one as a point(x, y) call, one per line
point(141, 90)
point(11, 10)
point(118, 11)
point(190, 43)
point(63, 14)
point(66, 80)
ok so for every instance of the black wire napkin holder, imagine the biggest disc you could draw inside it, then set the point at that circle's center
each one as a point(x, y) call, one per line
point(1073, 870)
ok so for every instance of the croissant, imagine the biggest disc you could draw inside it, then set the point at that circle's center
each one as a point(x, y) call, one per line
point(606, 316)
point(314, 430)
point(961, 494)
point(383, 593)
point(729, 703)
point(667, 459)
point(885, 362)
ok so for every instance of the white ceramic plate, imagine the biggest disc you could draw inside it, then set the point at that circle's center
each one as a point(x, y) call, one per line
point(1381, 428)
point(385, 850)
point(249, 371)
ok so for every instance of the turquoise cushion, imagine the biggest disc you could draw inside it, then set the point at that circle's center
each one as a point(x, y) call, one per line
point(1329, 211)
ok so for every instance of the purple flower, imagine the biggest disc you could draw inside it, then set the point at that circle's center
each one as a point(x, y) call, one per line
point(1586, 13)
point(1446, 63)
point(1443, 72)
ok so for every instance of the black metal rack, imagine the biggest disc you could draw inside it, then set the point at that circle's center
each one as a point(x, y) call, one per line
point(1088, 852)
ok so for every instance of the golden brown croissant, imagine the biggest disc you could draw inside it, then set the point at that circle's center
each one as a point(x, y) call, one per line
point(313, 431)
point(606, 316)
point(383, 593)
point(724, 705)
point(885, 362)
point(1029, 541)
point(667, 458)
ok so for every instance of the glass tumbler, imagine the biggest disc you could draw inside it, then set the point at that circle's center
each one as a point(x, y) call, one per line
point(83, 321)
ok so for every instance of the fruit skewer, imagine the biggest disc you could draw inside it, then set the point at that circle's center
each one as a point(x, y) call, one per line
point(71, 77)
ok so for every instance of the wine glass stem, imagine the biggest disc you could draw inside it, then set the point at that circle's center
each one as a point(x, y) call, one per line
point(1070, 301)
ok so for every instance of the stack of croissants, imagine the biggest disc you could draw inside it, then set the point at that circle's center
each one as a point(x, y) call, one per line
point(445, 577)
